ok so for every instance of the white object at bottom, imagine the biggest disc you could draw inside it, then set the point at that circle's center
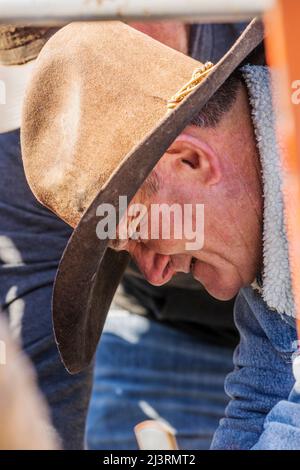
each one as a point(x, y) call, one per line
point(154, 435)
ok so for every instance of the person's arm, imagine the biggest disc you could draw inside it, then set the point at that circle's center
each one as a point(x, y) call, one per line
point(262, 376)
point(21, 44)
point(282, 425)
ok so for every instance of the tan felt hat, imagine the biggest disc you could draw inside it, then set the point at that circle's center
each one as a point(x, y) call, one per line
point(95, 123)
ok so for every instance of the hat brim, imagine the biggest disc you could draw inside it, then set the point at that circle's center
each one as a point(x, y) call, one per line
point(89, 272)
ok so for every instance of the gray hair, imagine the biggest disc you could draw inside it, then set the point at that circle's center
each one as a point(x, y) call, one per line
point(220, 103)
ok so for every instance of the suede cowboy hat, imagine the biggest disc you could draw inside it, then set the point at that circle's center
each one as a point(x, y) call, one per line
point(104, 104)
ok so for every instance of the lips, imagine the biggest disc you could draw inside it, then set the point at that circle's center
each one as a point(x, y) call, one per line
point(157, 268)
point(192, 264)
point(194, 267)
point(167, 270)
point(162, 269)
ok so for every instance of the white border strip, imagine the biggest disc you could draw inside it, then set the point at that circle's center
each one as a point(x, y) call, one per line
point(51, 10)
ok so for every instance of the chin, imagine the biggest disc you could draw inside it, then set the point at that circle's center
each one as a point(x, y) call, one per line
point(223, 294)
point(219, 287)
point(222, 290)
point(220, 284)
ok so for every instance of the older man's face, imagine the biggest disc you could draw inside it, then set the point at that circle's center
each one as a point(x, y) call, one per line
point(217, 169)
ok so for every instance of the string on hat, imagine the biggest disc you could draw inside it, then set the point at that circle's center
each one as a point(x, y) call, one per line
point(198, 75)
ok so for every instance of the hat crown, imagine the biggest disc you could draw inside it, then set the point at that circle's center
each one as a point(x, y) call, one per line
point(97, 90)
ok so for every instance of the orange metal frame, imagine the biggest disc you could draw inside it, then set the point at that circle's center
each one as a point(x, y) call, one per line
point(283, 52)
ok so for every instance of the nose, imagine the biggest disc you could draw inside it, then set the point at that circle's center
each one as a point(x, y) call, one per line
point(156, 268)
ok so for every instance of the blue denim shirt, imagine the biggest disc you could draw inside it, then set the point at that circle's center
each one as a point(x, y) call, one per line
point(264, 411)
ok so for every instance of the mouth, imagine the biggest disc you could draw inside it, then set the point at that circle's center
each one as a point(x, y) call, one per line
point(183, 268)
point(192, 265)
point(166, 270)
point(162, 268)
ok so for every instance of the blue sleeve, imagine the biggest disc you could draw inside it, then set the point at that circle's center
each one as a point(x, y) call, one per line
point(262, 378)
point(282, 426)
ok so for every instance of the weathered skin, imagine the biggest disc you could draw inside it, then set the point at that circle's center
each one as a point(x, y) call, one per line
point(218, 167)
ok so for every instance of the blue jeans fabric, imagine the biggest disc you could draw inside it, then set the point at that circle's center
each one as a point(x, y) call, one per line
point(32, 240)
point(263, 404)
point(144, 370)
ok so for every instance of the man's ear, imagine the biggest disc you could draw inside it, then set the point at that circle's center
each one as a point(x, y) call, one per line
point(192, 154)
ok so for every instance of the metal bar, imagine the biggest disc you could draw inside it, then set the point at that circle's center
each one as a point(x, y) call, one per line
point(283, 38)
point(45, 11)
